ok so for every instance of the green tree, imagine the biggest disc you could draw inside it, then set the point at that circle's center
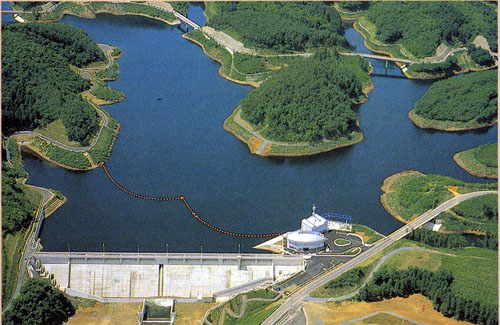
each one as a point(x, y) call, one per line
point(39, 304)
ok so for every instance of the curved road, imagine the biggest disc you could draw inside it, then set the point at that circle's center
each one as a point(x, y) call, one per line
point(296, 299)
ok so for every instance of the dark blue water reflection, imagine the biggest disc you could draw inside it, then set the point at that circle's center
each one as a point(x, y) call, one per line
point(172, 143)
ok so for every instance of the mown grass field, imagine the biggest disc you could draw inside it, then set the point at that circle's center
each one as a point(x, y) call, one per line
point(57, 131)
point(475, 270)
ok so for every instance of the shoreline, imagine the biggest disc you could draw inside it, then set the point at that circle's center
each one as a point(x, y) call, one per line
point(421, 120)
point(302, 149)
point(218, 60)
point(461, 163)
point(35, 152)
point(385, 187)
point(422, 76)
point(92, 15)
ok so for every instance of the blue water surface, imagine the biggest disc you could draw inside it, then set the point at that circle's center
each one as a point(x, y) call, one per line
point(172, 143)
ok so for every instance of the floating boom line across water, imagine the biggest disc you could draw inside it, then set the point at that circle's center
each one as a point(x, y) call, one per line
point(193, 213)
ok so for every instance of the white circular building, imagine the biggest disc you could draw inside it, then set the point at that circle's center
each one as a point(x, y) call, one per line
point(304, 241)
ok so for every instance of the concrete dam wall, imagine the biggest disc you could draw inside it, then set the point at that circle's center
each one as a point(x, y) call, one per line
point(124, 275)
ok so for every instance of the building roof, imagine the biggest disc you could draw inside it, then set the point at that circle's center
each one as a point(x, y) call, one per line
point(314, 220)
point(305, 236)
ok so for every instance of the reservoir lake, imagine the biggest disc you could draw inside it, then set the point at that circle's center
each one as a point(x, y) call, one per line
point(172, 143)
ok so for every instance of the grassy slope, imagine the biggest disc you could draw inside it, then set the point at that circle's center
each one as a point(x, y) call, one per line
point(57, 131)
point(12, 246)
point(410, 194)
point(471, 160)
point(475, 270)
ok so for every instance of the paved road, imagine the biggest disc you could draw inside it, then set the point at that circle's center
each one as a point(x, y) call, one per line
point(104, 119)
point(31, 246)
point(374, 56)
point(295, 300)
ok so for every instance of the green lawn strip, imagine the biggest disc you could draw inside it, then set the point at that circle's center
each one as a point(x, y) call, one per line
point(315, 148)
point(347, 282)
point(64, 157)
point(480, 161)
point(57, 131)
point(262, 293)
point(367, 232)
point(255, 313)
point(233, 127)
point(341, 241)
point(414, 194)
point(102, 149)
point(11, 248)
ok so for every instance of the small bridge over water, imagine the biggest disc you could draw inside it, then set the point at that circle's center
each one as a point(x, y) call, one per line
point(379, 57)
point(186, 20)
point(13, 12)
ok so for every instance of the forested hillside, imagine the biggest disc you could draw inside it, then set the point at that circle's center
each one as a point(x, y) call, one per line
point(281, 26)
point(472, 97)
point(307, 101)
point(421, 26)
point(38, 85)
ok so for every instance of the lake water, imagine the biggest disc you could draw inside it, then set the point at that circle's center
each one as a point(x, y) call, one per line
point(172, 143)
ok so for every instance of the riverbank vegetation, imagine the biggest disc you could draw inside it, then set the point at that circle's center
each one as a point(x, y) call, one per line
point(90, 9)
point(181, 7)
point(459, 103)
point(252, 73)
point(278, 26)
point(66, 158)
point(107, 95)
point(101, 151)
point(481, 161)
point(369, 235)
point(410, 194)
point(47, 89)
point(418, 28)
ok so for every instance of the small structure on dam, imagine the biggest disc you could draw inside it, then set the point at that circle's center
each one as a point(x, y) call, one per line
point(124, 275)
point(311, 235)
